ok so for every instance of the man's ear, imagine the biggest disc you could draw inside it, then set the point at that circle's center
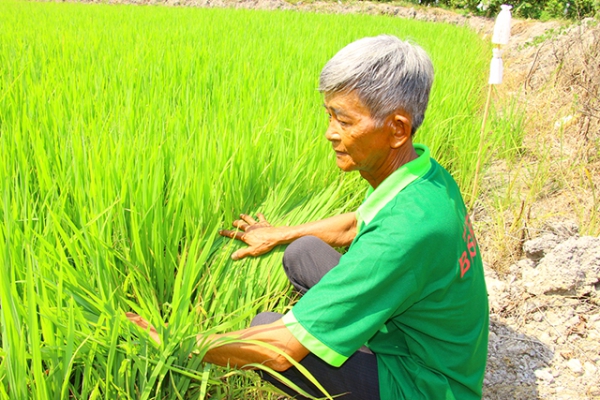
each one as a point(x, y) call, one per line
point(401, 124)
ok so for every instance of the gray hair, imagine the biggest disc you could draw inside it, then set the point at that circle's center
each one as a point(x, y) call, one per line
point(387, 73)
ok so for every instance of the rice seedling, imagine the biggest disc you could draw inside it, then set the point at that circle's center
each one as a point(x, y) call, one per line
point(129, 136)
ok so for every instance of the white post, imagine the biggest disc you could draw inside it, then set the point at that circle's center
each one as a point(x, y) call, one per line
point(500, 37)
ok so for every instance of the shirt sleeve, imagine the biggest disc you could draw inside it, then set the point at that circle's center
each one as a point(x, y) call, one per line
point(373, 281)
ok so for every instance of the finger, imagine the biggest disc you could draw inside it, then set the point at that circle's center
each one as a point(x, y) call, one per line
point(239, 235)
point(242, 253)
point(240, 224)
point(145, 325)
point(248, 219)
point(227, 233)
point(235, 256)
point(261, 217)
point(136, 319)
point(154, 335)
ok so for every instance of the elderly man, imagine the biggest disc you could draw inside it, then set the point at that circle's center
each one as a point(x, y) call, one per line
point(403, 313)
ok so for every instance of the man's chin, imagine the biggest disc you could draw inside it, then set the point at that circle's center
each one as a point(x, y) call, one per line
point(345, 167)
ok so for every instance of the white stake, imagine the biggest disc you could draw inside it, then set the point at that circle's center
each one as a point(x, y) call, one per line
point(500, 37)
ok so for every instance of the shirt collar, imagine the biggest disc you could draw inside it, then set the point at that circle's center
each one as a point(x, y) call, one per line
point(376, 199)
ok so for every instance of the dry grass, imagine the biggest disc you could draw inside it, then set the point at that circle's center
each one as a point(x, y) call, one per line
point(556, 173)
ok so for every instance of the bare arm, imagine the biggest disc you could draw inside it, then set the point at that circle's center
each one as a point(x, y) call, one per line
point(261, 237)
point(237, 354)
point(227, 349)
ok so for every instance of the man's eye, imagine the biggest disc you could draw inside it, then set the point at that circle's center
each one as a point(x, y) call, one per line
point(343, 123)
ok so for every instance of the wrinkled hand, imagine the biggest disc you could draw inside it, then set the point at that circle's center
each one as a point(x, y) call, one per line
point(259, 235)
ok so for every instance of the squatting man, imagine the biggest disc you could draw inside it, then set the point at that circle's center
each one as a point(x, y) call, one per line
point(403, 314)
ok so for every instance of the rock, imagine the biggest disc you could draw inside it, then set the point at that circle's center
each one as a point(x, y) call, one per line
point(546, 338)
point(497, 294)
point(517, 268)
point(564, 229)
point(590, 368)
point(594, 391)
point(572, 268)
point(555, 232)
point(575, 366)
point(536, 249)
point(548, 343)
point(544, 375)
point(537, 316)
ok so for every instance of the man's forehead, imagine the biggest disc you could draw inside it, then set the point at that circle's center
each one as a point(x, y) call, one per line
point(344, 103)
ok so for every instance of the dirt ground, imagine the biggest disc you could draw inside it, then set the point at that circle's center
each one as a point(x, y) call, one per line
point(542, 249)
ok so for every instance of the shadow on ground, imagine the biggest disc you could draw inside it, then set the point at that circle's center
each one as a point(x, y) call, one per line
point(513, 360)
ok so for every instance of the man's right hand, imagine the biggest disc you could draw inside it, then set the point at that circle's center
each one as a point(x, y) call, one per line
point(259, 235)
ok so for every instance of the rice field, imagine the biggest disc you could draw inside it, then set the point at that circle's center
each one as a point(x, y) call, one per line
point(129, 135)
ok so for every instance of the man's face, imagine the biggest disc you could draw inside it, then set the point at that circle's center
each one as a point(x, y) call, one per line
point(359, 144)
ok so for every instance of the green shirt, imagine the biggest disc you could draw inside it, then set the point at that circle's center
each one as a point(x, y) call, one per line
point(410, 287)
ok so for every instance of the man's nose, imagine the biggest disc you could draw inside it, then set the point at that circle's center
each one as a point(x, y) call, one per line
point(331, 133)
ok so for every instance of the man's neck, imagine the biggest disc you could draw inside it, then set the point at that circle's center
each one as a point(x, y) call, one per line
point(398, 157)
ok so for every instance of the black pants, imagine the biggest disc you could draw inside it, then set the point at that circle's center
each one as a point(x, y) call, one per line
point(305, 262)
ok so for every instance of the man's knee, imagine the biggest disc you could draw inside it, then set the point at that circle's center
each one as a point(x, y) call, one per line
point(300, 248)
point(265, 318)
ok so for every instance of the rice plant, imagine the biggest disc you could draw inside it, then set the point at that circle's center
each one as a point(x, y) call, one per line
point(129, 135)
